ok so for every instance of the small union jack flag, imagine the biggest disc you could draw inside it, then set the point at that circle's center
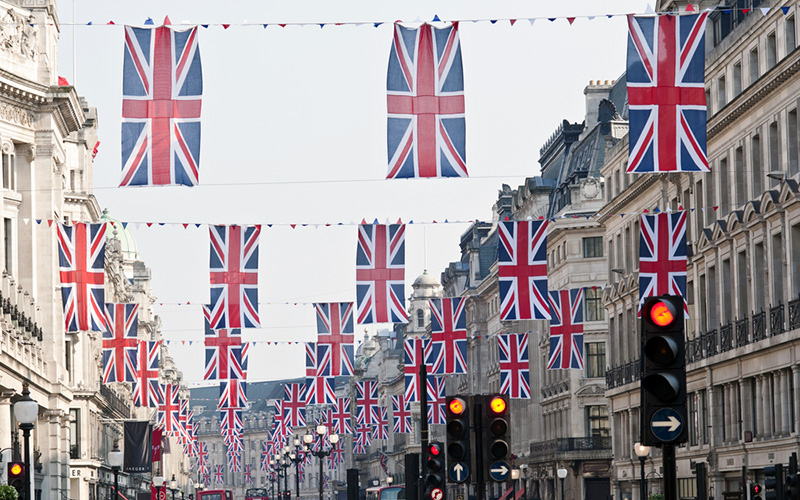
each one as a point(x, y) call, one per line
point(514, 365)
point(234, 277)
point(294, 405)
point(380, 273)
point(162, 83)
point(81, 255)
point(367, 410)
point(337, 456)
point(311, 360)
point(202, 454)
point(416, 349)
point(666, 93)
point(146, 390)
point(340, 416)
point(248, 476)
point(281, 429)
point(425, 99)
point(223, 352)
point(232, 394)
point(363, 439)
point(662, 257)
point(219, 474)
point(207, 478)
point(335, 336)
point(381, 428)
point(437, 400)
point(266, 455)
point(566, 329)
point(448, 347)
point(384, 461)
point(401, 412)
point(168, 412)
point(119, 343)
point(522, 270)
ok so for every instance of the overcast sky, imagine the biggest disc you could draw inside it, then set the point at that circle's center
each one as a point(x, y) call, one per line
point(294, 131)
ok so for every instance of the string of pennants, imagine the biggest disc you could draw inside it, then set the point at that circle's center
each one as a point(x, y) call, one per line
point(512, 21)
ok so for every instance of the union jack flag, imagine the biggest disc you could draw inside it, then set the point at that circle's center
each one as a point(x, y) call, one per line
point(234, 277)
point(119, 343)
point(522, 270)
point(234, 460)
point(437, 400)
point(223, 352)
point(426, 129)
point(230, 419)
point(380, 273)
point(566, 329)
point(401, 411)
point(340, 416)
point(384, 461)
point(146, 389)
point(363, 439)
point(367, 409)
point(168, 411)
point(219, 474)
point(337, 456)
point(448, 347)
point(294, 406)
point(416, 349)
point(514, 365)
point(335, 335)
point(207, 478)
point(202, 455)
point(319, 391)
point(381, 428)
point(162, 82)
point(183, 414)
point(311, 360)
point(266, 455)
point(281, 429)
point(248, 476)
point(81, 255)
point(232, 394)
point(666, 93)
point(662, 257)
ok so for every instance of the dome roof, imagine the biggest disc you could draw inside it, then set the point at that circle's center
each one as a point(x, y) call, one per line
point(426, 279)
point(130, 251)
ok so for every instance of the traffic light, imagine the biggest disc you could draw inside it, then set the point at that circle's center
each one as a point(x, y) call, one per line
point(433, 473)
point(773, 482)
point(663, 386)
point(755, 491)
point(16, 476)
point(458, 438)
point(791, 485)
point(496, 438)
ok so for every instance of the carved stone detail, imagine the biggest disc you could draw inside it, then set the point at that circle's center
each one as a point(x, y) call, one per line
point(14, 114)
point(590, 188)
point(17, 36)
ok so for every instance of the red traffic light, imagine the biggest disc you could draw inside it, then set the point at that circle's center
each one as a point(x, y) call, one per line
point(434, 450)
point(498, 405)
point(757, 488)
point(15, 469)
point(662, 313)
point(456, 406)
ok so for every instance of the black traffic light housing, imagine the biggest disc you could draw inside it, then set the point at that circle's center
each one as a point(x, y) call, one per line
point(433, 470)
point(663, 385)
point(791, 484)
point(16, 476)
point(755, 491)
point(496, 435)
point(458, 437)
point(773, 482)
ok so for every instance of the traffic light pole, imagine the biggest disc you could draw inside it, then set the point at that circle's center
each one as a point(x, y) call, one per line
point(422, 388)
point(480, 481)
point(670, 472)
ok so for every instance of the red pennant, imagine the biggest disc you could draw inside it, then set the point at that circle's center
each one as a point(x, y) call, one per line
point(185, 226)
point(690, 8)
point(399, 220)
point(363, 221)
point(111, 22)
point(226, 26)
point(282, 25)
point(745, 11)
point(680, 207)
point(149, 224)
point(293, 225)
point(715, 208)
point(571, 20)
point(512, 21)
point(50, 222)
point(167, 21)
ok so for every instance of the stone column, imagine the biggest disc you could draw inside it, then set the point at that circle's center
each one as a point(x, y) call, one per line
point(786, 413)
point(5, 420)
point(728, 412)
point(758, 422)
point(774, 401)
point(747, 417)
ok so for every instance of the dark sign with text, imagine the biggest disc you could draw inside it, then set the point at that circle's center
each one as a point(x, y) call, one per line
point(137, 447)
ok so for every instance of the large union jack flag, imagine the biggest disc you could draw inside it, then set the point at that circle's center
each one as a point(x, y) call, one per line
point(666, 93)
point(522, 270)
point(119, 343)
point(168, 412)
point(566, 329)
point(448, 346)
point(401, 412)
point(319, 390)
point(340, 416)
point(425, 99)
point(662, 256)
point(335, 336)
point(234, 277)
point(437, 400)
point(232, 393)
point(367, 409)
point(514, 365)
point(294, 405)
point(416, 349)
point(380, 273)
point(146, 390)
point(224, 358)
point(81, 255)
point(162, 83)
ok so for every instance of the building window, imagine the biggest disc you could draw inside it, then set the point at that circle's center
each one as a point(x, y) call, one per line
point(9, 172)
point(420, 318)
point(593, 303)
point(597, 416)
point(74, 433)
point(8, 246)
point(755, 158)
point(737, 79)
point(694, 420)
point(791, 41)
point(595, 359)
point(753, 65)
point(592, 247)
point(772, 50)
point(722, 98)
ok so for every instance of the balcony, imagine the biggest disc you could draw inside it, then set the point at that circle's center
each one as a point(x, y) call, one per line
point(574, 448)
point(115, 402)
point(624, 374)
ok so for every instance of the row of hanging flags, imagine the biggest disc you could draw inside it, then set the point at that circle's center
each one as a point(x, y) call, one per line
point(426, 126)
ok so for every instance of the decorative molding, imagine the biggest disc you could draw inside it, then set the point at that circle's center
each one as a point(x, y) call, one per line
point(21, 116)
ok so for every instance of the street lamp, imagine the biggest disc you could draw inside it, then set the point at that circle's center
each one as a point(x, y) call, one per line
point(642, 452)
point(26, 410)
point(115, 459)
point(296, 457)
point(562, 474)
point(173, 486)
point(322, 452)
point(389, 480)
point(285, 464)
point(158, 482)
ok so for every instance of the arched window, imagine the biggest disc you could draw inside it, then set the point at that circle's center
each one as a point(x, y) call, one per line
point(420, 318)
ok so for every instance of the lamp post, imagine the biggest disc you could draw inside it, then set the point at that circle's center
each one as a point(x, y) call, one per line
point(322, 452)
point(173, 486)
point(158, 482)
point(389, 480)
point(272, 480)
point(642, 452)
point(285, 464)
point(25, 411)
point(115, 459)
point(514, 477)
point(562, 474)
point(296, 457)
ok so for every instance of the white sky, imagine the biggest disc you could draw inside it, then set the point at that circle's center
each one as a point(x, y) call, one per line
point(294, 131)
